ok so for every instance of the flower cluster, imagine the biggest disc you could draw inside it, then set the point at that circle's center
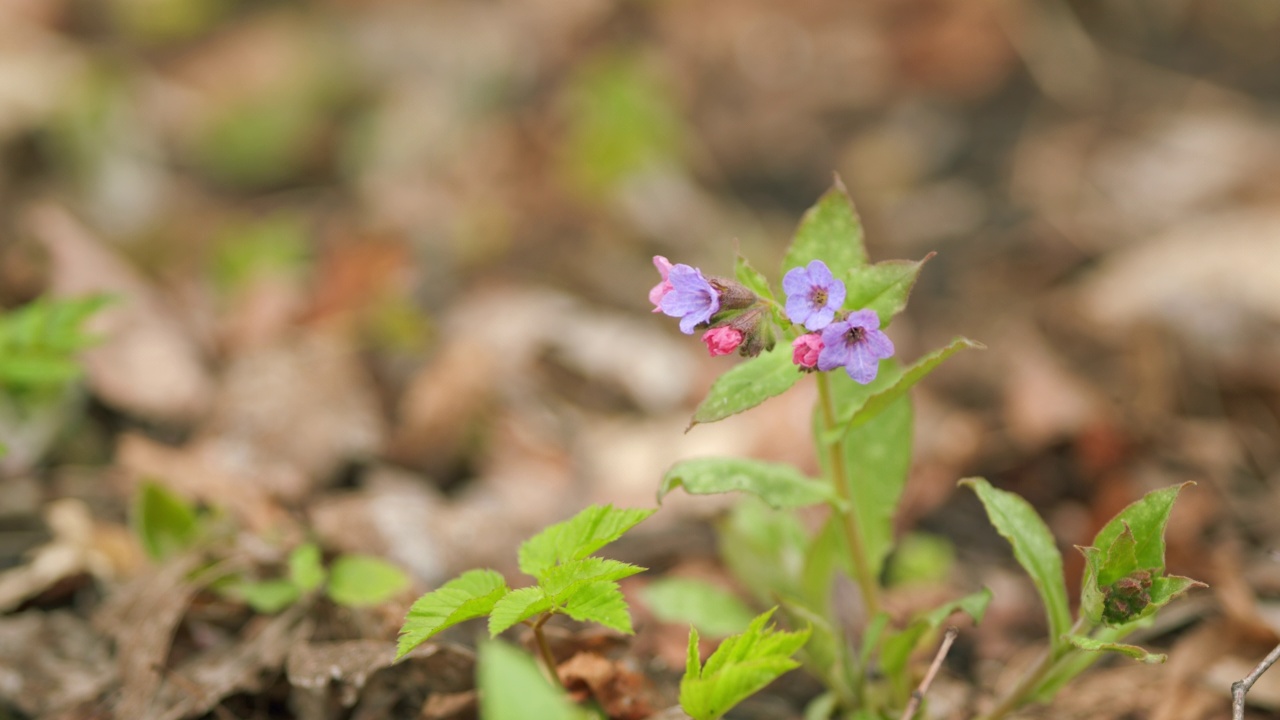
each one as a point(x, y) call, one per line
point(737, 319)
point(733, 313)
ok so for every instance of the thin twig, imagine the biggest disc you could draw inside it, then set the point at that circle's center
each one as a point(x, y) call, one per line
point(1240, 687)
point(918, 696)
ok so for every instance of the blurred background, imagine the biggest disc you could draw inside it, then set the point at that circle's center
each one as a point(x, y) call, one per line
point(379, 270)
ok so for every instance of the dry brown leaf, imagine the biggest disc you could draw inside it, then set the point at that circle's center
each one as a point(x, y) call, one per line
point(451, 706)
point(147, 364)
point(623, 693)
point(52, 662)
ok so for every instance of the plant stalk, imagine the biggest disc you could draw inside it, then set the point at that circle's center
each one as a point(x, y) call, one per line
point(1045, 664)
point(544, 649)
point(853, 534)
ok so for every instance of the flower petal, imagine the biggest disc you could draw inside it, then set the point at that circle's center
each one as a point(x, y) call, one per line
point(796, 282)
point(799, 309)
point(862, 366)
point(819, 318)
point(820, 274)
point(864, 319)
point(878, 344)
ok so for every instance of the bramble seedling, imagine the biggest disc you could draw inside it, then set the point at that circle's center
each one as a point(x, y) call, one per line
point(570, 581)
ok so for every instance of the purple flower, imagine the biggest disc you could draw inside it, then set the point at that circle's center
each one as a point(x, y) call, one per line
point(813, 295)
point(691, 298)
point(857, 344)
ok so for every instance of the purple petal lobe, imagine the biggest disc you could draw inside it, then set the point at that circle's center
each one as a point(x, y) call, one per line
point(795, 282)
point(862, 365)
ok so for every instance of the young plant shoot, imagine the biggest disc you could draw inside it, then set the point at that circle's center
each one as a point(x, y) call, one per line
point(570, 581)
point(829, 322)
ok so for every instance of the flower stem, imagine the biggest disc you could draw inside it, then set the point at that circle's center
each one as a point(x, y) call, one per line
point(1045, 664)
point(853, 534)
point(544, 648)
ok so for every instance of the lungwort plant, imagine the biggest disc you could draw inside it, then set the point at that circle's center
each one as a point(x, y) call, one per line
point(827, 323)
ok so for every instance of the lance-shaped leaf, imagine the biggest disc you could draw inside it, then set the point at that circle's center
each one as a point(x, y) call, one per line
point(1033, 547)
point(748, 384)
point(577, 537)
point(778, 484)
point(470, 595)
point(1133, 651)
point(601, 602)
point(1146, 519)
point(877, 457)
point(830, 231)
point(764, 548)
point(896, 384)
point(740, 667)
point(883, 287)
point(517, 606)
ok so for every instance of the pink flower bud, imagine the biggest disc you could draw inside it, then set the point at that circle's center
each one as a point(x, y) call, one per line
point(661, 289)
point(805, 349)
point(722, 340)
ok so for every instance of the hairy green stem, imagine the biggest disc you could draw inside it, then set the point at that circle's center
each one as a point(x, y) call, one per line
point(544, 648)
point(1029, 683)
point(853, 534)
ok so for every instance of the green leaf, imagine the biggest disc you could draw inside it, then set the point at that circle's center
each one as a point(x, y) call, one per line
point(896, 648)
point(878, 456)
point(359, 580)
point(1168, 587)
point(830, 231)
point(748, 384)
point(517, 606)
point(305, 569)
point(562, 581)
point(467, 596)
point(164, 523)
point(601, 602)
point(1034, 548)
point(713, 609)
point(1146, 518)
point(267, 596)
point(577, 537)
point(752, 278)
point(742, 665)
point(764, 548)
point(921, 558)
point(1133, 651)
point(896, 384)
point(780, 485)
point(39, 341)
point(512, 688)
point(883, 287)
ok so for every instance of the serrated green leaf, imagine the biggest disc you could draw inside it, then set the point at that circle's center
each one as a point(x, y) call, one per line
point(869, 402)
point(883, 287)
point(780, 485)
point(740, 667)
point(752, 278)
point(517, 606)
point(359, 580)
point(689, 601)
point(577, 537)
point(830, 231)
point(164, 523)
point(563, 580)
point(601, 602)
point(470, 595)
point(878, 456)
point(512, 688)
point(1093, 645)
point(266, 596)
point(1033, 547)
point(305, 569)
point(748, 384)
